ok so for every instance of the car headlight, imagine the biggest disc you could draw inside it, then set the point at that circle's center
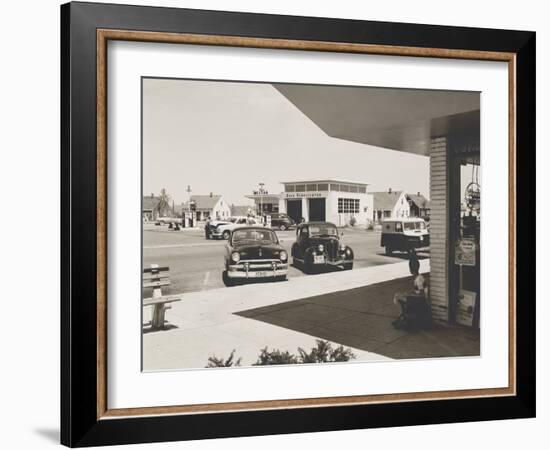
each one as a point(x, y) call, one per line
point(283, 255)
point(235, 256)
point(321, 247)
point(342, 247)
point(348, 251)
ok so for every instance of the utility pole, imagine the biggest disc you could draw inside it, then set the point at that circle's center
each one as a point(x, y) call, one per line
point(189, 206)
point(261, 192)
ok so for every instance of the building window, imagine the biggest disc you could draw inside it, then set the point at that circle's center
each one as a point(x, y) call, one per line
point(322, 187)
point(300, 188)
point(289, 188)
point(311, 187)
point(362, 189)
point(353, 189)
point(387, 213)
point(344, 188)
point(348, 205)
point(334, 187)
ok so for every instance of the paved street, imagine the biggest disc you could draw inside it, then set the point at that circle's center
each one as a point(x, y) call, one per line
point(196, 264)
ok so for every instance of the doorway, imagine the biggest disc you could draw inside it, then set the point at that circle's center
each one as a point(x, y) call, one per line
point(464, 238)
point(294, 209)
point(317, 209)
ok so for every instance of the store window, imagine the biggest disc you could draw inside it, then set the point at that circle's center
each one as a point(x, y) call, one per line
point(348, 205)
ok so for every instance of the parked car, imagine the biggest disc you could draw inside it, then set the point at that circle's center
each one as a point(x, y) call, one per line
point(212, 226)
point(168, 220)
point(318, 246)
point(281, 221)
point(224, 230)
point(254, 253)
point(404, 234)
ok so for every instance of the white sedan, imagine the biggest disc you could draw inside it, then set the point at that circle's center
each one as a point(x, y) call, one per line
point(224, 230)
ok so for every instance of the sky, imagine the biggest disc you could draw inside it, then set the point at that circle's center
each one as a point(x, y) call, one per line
point(226, 137)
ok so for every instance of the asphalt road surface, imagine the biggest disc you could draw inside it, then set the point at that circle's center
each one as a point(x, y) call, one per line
point(196, 263)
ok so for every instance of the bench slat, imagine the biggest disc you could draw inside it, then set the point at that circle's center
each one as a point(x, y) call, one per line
point(155, 276)
point(156, 269)
point(148, 284)
point(165, 299)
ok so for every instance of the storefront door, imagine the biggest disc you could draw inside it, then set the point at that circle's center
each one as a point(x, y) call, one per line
point(317, 209)
point(464, 242)
point(294, 209)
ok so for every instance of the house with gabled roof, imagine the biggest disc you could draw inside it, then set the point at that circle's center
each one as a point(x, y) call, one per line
point(419, 205)
point(208, 206)
point(389, 205)
point(153, 207)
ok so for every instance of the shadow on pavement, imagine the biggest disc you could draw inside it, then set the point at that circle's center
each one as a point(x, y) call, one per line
point(362, 318)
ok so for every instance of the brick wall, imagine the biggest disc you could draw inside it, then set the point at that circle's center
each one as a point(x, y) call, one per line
point(439, 225)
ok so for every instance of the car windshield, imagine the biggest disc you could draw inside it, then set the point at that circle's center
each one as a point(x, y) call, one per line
point(323, 230)
point(261, 236)
point(414, 225)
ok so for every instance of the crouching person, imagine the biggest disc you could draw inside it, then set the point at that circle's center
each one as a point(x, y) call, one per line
point(414, 305)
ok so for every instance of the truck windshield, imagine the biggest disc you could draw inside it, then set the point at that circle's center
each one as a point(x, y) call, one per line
point(409, 226)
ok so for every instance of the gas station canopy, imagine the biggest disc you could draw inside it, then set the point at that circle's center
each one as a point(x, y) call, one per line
point(397, 119)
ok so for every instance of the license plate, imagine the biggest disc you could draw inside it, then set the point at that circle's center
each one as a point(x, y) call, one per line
point(259, 274)
point(318, 259)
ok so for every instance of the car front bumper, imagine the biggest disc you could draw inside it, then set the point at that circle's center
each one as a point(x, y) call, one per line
point(257, 269)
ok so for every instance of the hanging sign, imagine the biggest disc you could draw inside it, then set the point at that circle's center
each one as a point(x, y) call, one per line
point(472, 196)
point(465, 252)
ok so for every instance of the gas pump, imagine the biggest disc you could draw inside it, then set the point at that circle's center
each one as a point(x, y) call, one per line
point(193, 208)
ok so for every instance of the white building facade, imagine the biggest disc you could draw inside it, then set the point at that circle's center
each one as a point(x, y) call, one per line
point(338, 201)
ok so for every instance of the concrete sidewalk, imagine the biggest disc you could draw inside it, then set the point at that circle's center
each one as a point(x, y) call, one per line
point(285, 316)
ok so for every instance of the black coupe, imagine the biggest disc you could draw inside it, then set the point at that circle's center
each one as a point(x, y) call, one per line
point(318, 246)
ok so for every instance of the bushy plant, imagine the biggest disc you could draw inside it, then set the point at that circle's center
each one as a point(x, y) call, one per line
point(267, 358)
point(322, 353)
point(214, 361)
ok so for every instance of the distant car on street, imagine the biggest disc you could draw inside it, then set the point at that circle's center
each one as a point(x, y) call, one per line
point(168, 220)
point(318, 247)
point(224, 230)
point(281, 221)
point(254, 253)
point(213, 226)
point(404, 234)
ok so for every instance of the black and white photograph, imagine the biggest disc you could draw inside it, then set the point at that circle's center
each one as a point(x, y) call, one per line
point(304, 223)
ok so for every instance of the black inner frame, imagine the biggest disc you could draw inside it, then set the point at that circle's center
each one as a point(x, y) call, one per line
point(79, 424)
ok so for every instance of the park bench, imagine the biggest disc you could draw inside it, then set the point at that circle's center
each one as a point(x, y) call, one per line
point(155, 277)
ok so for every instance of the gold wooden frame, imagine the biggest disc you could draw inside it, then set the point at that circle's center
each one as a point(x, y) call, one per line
point(104, 35)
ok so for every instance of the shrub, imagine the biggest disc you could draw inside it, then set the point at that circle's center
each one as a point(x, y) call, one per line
point(322, 353)
point(213, 361)
point(267, 358)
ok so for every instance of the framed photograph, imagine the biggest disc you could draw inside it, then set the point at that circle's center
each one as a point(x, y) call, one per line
point(273, 224)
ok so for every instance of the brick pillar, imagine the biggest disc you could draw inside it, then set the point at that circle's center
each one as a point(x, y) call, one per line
point(439, 229)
